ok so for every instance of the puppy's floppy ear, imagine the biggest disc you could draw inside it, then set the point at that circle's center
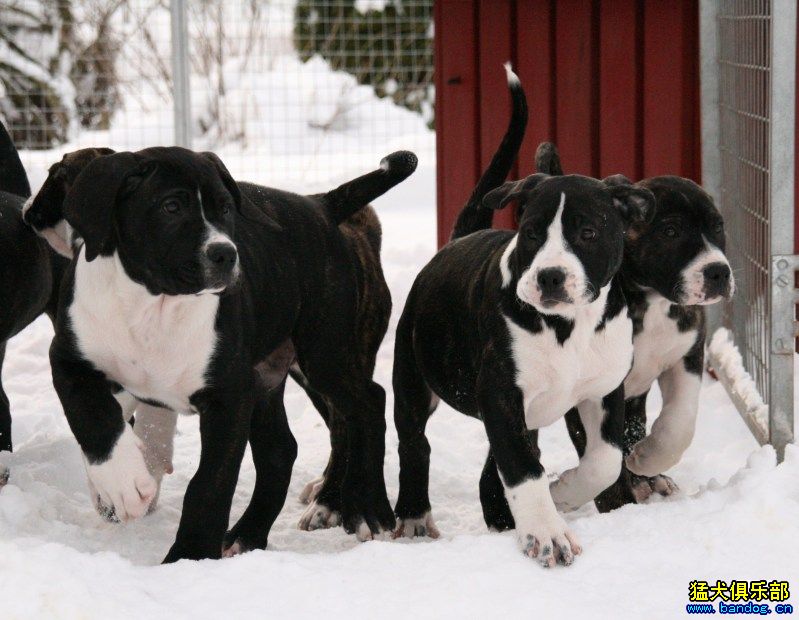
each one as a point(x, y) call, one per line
point(90, 203)
point(243, 205)
point(636, 204)
point(512, 190)
point(227, 180)
point(547, 159)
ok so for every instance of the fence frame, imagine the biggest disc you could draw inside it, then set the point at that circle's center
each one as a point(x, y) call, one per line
point(181, 87)
point(782, 293)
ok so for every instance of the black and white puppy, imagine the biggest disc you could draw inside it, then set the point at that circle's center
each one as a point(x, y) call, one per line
point(29, 270)
point(516, 328)
point(674, 264)
point(193, 293)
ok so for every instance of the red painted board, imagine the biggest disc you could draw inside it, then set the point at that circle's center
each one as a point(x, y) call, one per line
point(620, 66)
point(671, 67)
point(535, 53)
point(495, 48)
point(457, 129)
point(577, 85)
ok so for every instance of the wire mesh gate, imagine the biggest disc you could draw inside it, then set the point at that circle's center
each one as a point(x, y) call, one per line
point(756, 54)
point(291, 93)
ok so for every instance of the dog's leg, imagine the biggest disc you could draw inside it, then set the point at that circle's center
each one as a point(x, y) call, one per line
point(324, 508)
point(496, 511)
point(274, 451)
point(118, 475)
point(155, 426)
point(5, 421)
point(600, 461)
point(334, 369)
point(541, 531)
point(312, 488)
point(414, 402)
point(5, 409)
point(225, 415)
point(673, 430)
point(621, 492)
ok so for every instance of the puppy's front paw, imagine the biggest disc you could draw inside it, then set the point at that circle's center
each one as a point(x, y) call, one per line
point(122, 487)
point(318, 516)
point(541, 531)
point(550, 543)
point(421, 526)
point(642, 487)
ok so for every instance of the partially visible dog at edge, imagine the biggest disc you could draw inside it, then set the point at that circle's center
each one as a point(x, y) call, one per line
point(190, 292)
point(674, 265)
point(516, 329)
point(30, 271)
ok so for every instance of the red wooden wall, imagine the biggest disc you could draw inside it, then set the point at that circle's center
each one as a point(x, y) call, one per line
point(614, 83)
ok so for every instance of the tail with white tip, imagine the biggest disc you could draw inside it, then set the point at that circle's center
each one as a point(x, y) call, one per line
point(473, 216)
point(352, 196)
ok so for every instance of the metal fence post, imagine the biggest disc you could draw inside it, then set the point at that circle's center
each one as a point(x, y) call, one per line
point(180, 73)
point(783, 264)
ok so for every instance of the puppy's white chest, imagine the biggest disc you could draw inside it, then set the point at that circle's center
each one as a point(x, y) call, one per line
point(157, 347)
point(555, 377)
point(658, 346)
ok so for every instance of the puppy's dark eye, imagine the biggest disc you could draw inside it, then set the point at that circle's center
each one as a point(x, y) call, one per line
point(588, 234)
point(225, 208)
point(718, 227)
point(530, 234)
point(171, 206)
point(671, 231)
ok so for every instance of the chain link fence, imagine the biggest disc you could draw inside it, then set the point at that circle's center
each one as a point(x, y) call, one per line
point(756, 43)
point(289, 93)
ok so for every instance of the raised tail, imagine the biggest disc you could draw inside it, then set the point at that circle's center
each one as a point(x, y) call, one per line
point(13, 178)
point(473, 216)
point(354, 195)
point(547, 160)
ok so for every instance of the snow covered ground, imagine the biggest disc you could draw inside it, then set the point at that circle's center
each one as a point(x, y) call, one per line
point(737, 516)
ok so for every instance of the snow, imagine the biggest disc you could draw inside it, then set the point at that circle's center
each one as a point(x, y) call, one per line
point(726, 355)
point(737, 516)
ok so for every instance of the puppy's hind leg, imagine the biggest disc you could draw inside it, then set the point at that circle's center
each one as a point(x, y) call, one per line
point(274, 451)
point(5, 409)
point(414, 402)
point(324, 494)
point(312, 488)
point(5, 421)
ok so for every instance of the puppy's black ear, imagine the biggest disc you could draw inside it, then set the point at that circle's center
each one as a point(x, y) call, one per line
point(547, 159)
point(512, 190)
point(617, 179)
point(90, 202)
point(636, 204)
point(244, 206)
point(227, 180)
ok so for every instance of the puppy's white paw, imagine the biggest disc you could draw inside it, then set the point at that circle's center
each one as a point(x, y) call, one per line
point(422, 526)
point(311, 490)
point(550, 543)
point(541, 531)
point(319, 516)
point(122, 487)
